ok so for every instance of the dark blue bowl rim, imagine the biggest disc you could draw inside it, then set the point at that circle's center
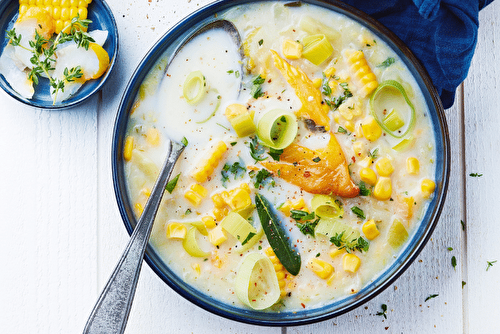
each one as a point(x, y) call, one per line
point(368, 292)
point(77, 98)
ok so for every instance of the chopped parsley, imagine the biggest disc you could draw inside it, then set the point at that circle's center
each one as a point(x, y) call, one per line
point(475, 175)
point(386, 63)
point(256, 149)
point(342, 130)
point(454, 262)
point(431, 296)
point(317, 159)
point(463, 225)
point(275, 154)
point(308, 227)
point(262, 178)
point(304, 221)
point(237, 169)
point(358, 212)
point(256, 90)
point(188, 211)
point(359, 244)
point(463, 284)
point(490, 264)
point(184, 141)
point(233, 143)
point(384, 311)
point(363, 190)
point(172, 183)
point(261, 42)
point(300, 215)
point(450, 249)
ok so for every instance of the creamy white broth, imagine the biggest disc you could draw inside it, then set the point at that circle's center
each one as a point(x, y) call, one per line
point(161, 106)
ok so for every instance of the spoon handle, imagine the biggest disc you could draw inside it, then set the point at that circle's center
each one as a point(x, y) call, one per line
point(111, 311)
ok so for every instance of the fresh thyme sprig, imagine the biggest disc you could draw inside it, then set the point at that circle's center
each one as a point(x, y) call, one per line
point(44, 50)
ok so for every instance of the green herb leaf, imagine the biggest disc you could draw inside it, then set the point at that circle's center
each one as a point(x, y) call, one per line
point(262, 178)
point(261, 42)
point(256, 90)
point(308, 227)
point(386, 63)
point(342, 130)
point(275, 154)
point(431, 296)
point(463, 284)
point(358, 212)
point(300, 215)
point(256, 149)
point(363, 190)
point(359, 244)
point(450, 249)
point(172, 183)
point(279, 241)
point(184, 141)
point(373, 154)
point(249, 236)
point(384, 311)
point(475, 175)
point(490, 264)
point(454, 262)
point(188, 211)
point(463, 225)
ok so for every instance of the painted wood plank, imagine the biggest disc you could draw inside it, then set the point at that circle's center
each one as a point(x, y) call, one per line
point(482, 122)
point(431, 273)
point(48, 202)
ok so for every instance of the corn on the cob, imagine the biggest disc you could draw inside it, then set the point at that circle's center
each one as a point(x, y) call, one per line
point(363, 75)
point(206, 166)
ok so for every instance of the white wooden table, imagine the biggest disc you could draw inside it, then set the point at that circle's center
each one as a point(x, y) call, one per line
point(62, 233)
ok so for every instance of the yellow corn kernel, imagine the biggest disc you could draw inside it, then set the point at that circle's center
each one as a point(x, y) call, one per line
point(349, 126)
point(282, 284)
point(286, 207)
point(278, 266)
point(269, 251)
point(209, 221)
point(428, 187)
point(246, 187)
point(358, 148)
point(345, 111)
point(199, 189)
point(193, 197)
point(65, 13)
point(351, 263)
point(83, 12)
point(138, 209)
point(280, 274)
point(321, 268)
point(218, 201)
point(176, 231)
point(366, 162)
point(384, 167)
point(234, 110)
point(370, 229)
point(336, 117)
point(59, 25)
point(73, 11)
point(127, 149)
point(371, 130)
point(367, 175)
point(239, 199)
point(334, 252)
point(153, 136)
point(329, 71)
point(56, 13)
point(410, 202)
point(383, 188)
point(216, 236)
point(196, 268)
point(317, 82)
point(23, 9)
point(206, 166)
point(412, 165)
point(300, 204)
point(146, 191)
point(220, 213)
point(363, 75)
point(291, 49)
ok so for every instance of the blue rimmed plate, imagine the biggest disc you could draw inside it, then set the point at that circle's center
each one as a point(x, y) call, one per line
point(165, 46)
point(102, 18)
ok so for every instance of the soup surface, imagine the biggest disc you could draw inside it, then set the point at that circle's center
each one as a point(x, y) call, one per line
point(319, 132)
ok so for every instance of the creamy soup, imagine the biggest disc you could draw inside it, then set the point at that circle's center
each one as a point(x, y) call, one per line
point(320, 133)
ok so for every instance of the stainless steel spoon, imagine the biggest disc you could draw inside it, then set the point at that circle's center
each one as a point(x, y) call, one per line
point(110, 314)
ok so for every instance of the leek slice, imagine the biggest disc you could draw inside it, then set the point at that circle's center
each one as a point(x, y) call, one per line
point(330, 227)
point(191, 246)
point(238, 226)
point(193, 88)
point(277, 129)
point(317, 49)
point(397, 234)
point(217, 105)
point(243, 124)
point(393, 120)
point(325, 206)
point(201, 227)
point(256, 283)
point(390, 87)
point(404, 144)
point(313, 26)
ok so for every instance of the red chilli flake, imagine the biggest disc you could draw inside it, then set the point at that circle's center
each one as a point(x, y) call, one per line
point(304, 306)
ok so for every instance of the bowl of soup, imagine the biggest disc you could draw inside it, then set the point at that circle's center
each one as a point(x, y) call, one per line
point(316, 161)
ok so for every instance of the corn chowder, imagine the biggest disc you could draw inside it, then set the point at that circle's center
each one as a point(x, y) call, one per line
point(308, 163)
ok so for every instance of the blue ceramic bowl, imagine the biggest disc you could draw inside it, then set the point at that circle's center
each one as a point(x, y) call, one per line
point(102, 19)
point(168, 43)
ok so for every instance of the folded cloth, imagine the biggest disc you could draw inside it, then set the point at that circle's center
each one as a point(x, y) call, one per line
point(442, 34)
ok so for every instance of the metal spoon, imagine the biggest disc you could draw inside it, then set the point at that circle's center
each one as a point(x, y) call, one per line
point(110, 314)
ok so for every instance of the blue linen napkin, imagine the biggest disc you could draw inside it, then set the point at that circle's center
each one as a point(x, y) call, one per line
point(441, 33)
